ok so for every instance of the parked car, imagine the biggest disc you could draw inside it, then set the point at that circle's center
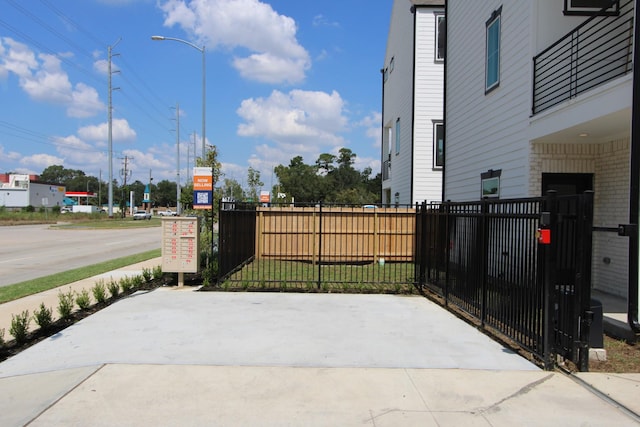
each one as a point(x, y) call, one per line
point(168, 212)
point(65, 210)
point(141, 215)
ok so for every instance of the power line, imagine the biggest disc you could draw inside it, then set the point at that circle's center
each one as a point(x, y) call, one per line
point(71, 22)
point(48, 27)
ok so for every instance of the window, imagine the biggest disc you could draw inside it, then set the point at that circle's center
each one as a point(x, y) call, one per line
point(441, 35)
point(492, 69)
point(438, 145)
point(392, 64)
point(490, 183)
point(591, 7)
point(398, 136)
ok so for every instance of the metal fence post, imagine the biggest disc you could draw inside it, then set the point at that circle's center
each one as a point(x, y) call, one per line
point(447, 251)
point(483, 243)
point(583, 279)
point(319, 245)
point(550, 303)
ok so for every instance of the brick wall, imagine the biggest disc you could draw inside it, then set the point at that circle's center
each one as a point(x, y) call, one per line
point(609, 163)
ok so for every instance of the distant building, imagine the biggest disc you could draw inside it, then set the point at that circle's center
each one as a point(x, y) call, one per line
point(412, 103)
point(20, 191)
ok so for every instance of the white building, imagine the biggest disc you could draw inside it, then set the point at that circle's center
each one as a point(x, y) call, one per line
point(20, 191)
point(539, 97)
point(412, 116)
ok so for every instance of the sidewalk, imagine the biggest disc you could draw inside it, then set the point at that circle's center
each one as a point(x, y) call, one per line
point(173, 356)
point(50, 298)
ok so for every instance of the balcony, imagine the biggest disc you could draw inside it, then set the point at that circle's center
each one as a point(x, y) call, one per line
point(386, 170)
point(594, 53)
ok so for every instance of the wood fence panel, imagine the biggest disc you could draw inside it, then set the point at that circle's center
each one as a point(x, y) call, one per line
point(349, 234)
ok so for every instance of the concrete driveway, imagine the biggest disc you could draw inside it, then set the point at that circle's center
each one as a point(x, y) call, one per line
point(176, 357)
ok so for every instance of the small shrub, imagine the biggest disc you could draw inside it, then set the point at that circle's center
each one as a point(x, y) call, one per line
point(29, 208)
point(147, 274)
point(65, 304)
point(83, 300)
point(43, 317)
point(138, 281)
point(20, 326)
point(114, 288)
point(126, 284)
point(157, 272)
point(99, 291)
point(1, 337)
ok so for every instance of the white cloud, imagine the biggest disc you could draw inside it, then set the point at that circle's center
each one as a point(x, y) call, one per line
point(372, 125)
point(17, 58)
point(322, 21)
point(120, 132)
point(9, 155)
point(44, 80)
point(85, 102)
point(302, 117)
point(101, 66)
point(41, 160)
point(275, 54)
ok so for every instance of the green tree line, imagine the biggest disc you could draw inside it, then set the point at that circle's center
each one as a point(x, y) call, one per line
point(331, 179)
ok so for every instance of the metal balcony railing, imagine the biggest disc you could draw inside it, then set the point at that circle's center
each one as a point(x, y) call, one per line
point(386, 170)
point(596, 52)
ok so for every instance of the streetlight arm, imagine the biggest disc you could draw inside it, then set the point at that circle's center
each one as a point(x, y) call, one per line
point(160, 38)
point(204, 83)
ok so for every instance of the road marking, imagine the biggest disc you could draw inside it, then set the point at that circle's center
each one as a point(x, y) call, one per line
point(15, 259)
point(119, 242)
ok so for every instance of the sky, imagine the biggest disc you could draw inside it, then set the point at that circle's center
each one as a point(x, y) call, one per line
point(284, 78)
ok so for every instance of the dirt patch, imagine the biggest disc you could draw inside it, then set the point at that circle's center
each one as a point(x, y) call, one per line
point(622, 357)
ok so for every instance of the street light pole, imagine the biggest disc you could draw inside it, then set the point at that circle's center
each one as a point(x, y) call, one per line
point(204, 82)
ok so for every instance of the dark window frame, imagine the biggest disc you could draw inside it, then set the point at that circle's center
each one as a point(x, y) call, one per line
point(438, 150)
point(440, 37)
point(488, 181)
point(591, 7)
point(492, 52)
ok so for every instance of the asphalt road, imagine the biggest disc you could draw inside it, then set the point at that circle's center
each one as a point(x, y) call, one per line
point(32, 251)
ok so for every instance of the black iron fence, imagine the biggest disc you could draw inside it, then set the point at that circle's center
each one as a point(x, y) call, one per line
point(316, 246)
point(487, 259)
point(594, 53)
point(521, 267)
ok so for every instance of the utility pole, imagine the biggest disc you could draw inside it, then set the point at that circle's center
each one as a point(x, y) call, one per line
point(125, 173)
point(178, 210)
point(110, 122)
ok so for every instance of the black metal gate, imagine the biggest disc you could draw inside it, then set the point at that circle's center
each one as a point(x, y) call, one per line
point(491, 260)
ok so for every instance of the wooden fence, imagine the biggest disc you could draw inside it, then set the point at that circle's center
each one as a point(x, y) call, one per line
point(335, 234)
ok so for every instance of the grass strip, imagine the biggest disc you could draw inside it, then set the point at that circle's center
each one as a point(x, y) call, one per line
point(30, 287)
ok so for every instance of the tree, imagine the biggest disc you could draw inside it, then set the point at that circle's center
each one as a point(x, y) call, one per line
point(299, 181)
point(165, 194)
point(332, 179)
point(254, 183)
point(232, 189)
point(72, 179)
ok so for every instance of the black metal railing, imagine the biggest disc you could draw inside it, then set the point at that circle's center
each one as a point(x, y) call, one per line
point(386, 170)
point(597, 51)
point(318, 246)
point(485, 258)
